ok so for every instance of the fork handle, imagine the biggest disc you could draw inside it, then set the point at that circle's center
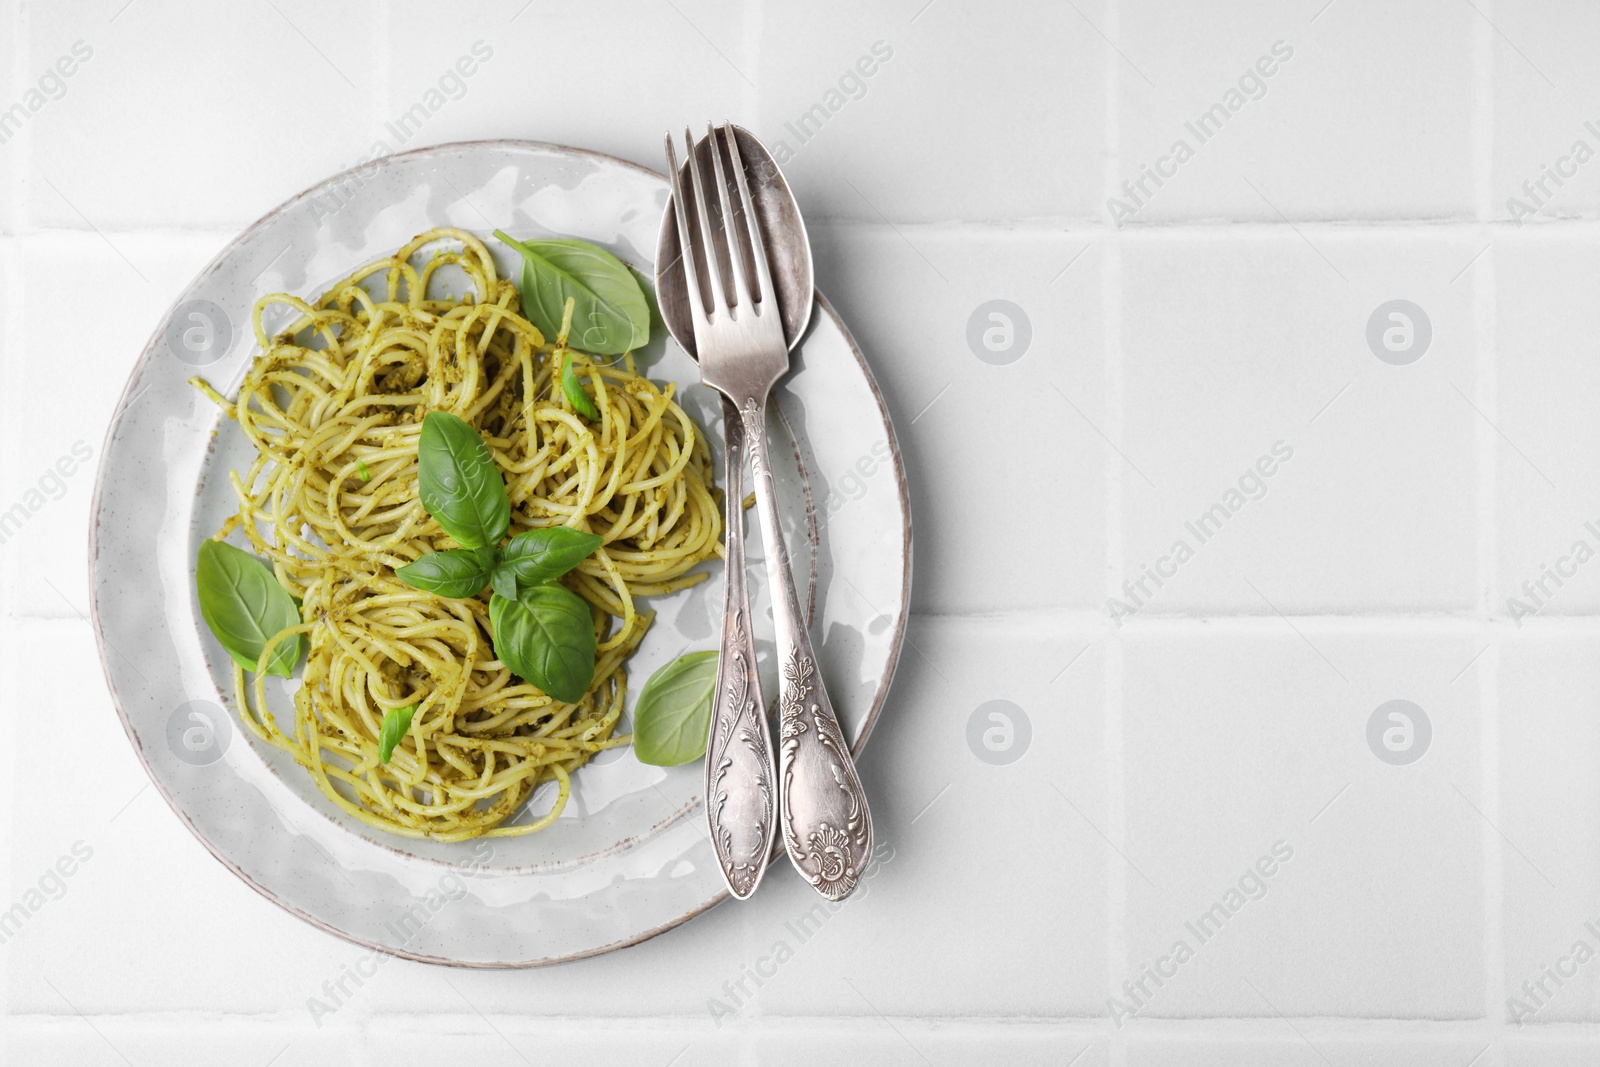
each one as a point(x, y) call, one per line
point(739, 775)
point(822, 808)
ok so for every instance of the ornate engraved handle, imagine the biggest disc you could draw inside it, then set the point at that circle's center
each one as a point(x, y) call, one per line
point(739, 775)
point(823, 809)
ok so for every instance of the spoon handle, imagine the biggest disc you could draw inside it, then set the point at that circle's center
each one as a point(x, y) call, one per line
point(739, 775)
point(822, 808)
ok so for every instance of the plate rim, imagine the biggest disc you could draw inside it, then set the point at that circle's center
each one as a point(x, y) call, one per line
point(897, 641)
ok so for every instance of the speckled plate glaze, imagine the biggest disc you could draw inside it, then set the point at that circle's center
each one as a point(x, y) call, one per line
point(629, 858)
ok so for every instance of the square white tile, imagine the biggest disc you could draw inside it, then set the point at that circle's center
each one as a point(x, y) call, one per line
point(1275, 845)
point(1262, 111)
point(1279, 457)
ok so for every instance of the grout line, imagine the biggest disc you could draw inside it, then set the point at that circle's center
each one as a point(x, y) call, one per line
point(10, 303)
point(1348, 225)
point(1494, 947)
point(22, 161)
point(1435, 621)
point(1025, 228)
point(1246, 1027)
point(1117, 879)
point(1485, 321)
point(1487, 387)
point(1022, 229)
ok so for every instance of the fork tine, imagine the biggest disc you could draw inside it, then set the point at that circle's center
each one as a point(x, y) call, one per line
point(719, 299)
point(758, 244)
point(742, 298)
point(685, 248)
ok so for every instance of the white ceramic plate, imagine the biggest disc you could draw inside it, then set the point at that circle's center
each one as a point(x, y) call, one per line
point(629, 857)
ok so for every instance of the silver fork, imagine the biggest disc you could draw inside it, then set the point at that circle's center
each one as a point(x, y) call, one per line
point(826, 825)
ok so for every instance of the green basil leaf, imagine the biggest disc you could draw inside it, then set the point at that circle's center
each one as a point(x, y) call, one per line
point(574, 389)
point(457, 573)
point(673, 715)
point(459, 483)
point(546, 636)
point(395, 724)
point(244, 606)
point(362, 472)
point(609, 316)
point(549, 552)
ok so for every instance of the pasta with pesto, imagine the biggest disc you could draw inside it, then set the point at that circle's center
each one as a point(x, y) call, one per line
point(334, 405)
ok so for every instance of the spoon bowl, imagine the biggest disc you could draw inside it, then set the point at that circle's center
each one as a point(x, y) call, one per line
point(788, 247)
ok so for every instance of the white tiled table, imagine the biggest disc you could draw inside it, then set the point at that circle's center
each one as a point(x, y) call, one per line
point(1176, 741)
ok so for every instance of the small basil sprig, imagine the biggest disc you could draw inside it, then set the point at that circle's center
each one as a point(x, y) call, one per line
point(244, 606)
point(610, 311)
point(543, 631)
point(674, 711)
point(395, 725)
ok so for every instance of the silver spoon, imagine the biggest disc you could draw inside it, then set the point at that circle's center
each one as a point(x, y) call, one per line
point(764, 251)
